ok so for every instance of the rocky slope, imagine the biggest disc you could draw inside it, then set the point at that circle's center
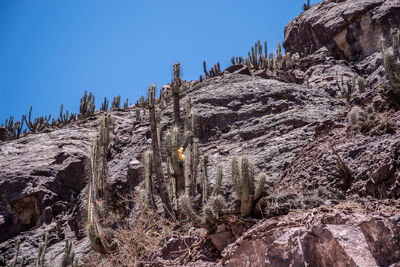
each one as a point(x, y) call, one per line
point(295, 133)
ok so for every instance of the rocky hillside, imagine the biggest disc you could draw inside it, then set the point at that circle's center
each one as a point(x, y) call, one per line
point(332, 158)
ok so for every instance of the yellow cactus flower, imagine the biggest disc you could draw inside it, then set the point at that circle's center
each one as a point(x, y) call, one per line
point(180, 155)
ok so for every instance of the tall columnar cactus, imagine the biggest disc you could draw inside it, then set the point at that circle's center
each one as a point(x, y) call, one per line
point(204, 179)
point(98, 197)
point(137, 113)
point(68, 258)
point(212, 205)
point(306, 6)
point(176, 88)
point(244, 188)
point(215, 70)
point(158, 122)
point(256, 58)
point(148, 169)
point(87, 105)
point(191, 150)
point(40, 259)
point(162, 188)
point(391, 59)
point(126, 103)
point(104, 105)
point(116, 102)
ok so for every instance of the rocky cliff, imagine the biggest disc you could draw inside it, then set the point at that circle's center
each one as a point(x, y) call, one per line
point(332, 195)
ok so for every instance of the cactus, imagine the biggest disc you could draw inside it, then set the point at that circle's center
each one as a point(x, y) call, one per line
point(176, 87)
point(104, 105)
point(215, 70)
point(116, 102)
point(87, 105)
point(306, 6)
point(256, 59)
point(68, 258)
point(126, 103)
point(391, 59)
point(212, 207)
point(38, 124)
point(162, 188)
point(98, 197)
point(137, 111)
point(65, 118)
point(347, 89)
point(158, 122)
point(244, 188)
point(14, 129)
point(206, 74)
point(204, 179)
point(148, 169)
point(40, 260)
point(218, 181)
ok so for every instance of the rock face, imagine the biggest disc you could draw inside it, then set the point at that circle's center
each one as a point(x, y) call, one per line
point(320, 238)
point(350, 30)
point(295, 129)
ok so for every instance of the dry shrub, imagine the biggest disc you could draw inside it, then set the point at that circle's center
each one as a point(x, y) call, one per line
point(370, 122)
point(139, 238)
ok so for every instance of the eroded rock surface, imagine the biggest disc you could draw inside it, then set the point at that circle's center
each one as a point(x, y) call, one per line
point(294, 130)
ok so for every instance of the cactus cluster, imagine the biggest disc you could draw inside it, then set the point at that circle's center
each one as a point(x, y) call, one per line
point(12, 130)
point(244, 188)
point(126, 103)
point(104, 104)
point(215, 71)
point(212, 204)
point(40, 259)
point(68, 258)
point(38, 124)
point(181, 152)
point(64, 118)
point(348, 88)
point(15, 258)
point(259, 59)
point(87, 105)
point(116, 102)
point(98, 197)
point(162, 188)
point(391, 59)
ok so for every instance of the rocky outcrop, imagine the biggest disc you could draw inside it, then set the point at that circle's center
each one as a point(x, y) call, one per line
point(323, 237)
point(331, 189)
point(269, 121)
point(350, 30)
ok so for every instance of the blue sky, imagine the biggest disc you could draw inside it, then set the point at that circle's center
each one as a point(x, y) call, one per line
point(51, 51)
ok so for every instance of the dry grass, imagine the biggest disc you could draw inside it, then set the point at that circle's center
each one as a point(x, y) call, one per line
point(370, 122)
point(139, 237)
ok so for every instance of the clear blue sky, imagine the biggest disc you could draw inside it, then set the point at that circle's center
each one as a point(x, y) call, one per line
point(52, 50)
